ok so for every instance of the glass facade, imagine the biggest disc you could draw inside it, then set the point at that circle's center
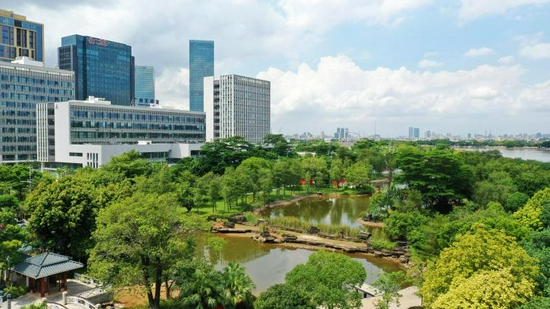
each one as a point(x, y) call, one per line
point(21, 88)
point(145, 86)
point(103, 69)
point(20, 38)
point(201, 65)
point(99, 124)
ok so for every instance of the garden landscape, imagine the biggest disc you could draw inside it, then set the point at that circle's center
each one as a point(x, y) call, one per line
point(468, 228)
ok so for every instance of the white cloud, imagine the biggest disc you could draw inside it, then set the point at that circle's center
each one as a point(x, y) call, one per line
point(506, 60)
point(538, 51)
point(478, 52)
point(529, 39)
point(474, 9)
point(430, 54)
point(426, 64)
point(338, 92)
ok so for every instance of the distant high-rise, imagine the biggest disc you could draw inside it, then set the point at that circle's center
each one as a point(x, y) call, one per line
point(145, 86)
point(102, 68)
point(237, 106)
point(20, 37)
point(201, 65)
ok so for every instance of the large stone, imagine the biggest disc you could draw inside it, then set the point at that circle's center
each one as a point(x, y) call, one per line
point(229, 224)
point(313, 230)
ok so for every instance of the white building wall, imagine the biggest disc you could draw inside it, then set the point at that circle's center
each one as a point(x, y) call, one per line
point(209, 107)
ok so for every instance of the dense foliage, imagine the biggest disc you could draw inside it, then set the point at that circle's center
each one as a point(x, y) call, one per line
point(132, 221)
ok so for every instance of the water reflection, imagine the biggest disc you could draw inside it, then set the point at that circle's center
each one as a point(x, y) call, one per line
point(330, 211)
point(268, 264)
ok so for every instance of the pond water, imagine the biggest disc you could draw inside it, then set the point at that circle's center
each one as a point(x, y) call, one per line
point(268, 264)
point(330, 211)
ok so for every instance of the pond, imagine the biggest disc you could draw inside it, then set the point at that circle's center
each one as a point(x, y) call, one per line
point(330, 211)
point(268, 264)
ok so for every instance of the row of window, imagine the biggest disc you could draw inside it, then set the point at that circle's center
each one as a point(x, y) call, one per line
point(35, 81)
point(33, 97)
point(18, 139)
point(12, 87)
point(134, 136)
point(75, 113)
point(134, 126)
point(10, 148)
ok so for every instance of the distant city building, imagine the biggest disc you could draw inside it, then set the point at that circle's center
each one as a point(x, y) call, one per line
point(23, 84)
point(201, 65)
point(145, 86)
point(237, 106)
point(20, 37)
point(341, 133)
point(89, 133)
point(414, 132)
point(103, 69)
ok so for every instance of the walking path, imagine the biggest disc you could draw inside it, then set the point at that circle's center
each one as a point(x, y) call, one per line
point(409, 298)
point(74, 287)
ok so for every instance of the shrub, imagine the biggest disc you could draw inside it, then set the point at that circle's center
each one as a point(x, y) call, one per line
point(15, 291)
point(250, 217)
point(388, 245)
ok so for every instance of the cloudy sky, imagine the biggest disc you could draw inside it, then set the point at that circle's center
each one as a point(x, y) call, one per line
point(460, 66)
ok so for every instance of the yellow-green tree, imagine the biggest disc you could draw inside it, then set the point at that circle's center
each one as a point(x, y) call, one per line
point(498, 289)
point(479, 253)
point(536, 212)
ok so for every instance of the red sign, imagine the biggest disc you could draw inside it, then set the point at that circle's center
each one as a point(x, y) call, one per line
point(95, 41)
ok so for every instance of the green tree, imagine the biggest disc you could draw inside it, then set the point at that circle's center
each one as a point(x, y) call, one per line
point(479, 254)
point(358, 174)
point(200, 287)
point(129, 165)
point(137, 241)
point(439, 174)
point(12, 238)
point(315, 171)
point(328, 279)
point(62, 215)
point(226, 152)
point(389, 285)
point(515, 201)
point(497, 188)
point(283, 296)
point(255, 171)
point(278, 146)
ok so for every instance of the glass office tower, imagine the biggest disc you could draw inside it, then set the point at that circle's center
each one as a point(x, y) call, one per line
point(145, 86)
point(20, 37)
point(201, 65)
point(103, 69)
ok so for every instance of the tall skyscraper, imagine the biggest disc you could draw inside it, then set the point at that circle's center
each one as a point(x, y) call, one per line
point(20, 37)
point(102, 68)
point(23, 84)
point(237, 106)
point(201, 65)
point(145, 85)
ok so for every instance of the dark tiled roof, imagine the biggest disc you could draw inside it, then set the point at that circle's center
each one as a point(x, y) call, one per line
point(46, 264)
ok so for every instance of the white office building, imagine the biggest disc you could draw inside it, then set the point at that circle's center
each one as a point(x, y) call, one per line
point(237, 106)
point(89, 133)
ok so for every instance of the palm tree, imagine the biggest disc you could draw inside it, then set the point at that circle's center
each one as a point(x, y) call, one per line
point(204, 289)
point(238, 286)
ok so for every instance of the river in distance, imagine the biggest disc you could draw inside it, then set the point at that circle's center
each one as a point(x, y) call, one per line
point(538, 154)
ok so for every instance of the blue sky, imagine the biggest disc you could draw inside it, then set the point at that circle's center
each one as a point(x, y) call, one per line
point(459, 67)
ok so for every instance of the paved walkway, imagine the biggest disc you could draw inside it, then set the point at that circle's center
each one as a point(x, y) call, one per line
point(74, 287)
point(408, 299)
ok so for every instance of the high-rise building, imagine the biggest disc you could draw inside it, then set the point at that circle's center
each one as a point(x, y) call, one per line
point(20, 37)
point(23, 84)
point(102, 68)
point(145, 86)
point(416, 132)
point(237, 106)
point(90, 132)
point(201, 65)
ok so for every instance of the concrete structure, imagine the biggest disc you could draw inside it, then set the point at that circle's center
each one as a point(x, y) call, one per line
point(89, 133)
point(102, 68)
point(237, 106)
point(23, 84)
point(145, 86)
point(201, 65)
point(20, 37)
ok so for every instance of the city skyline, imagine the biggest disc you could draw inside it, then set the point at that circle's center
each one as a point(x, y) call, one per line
point(451, 66)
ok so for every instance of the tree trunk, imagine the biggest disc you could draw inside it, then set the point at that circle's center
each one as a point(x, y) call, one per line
point(158, 282)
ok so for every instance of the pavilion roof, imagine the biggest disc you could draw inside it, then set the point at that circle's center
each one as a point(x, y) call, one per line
point(46, 264)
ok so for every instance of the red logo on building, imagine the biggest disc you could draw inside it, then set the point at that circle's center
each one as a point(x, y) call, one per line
point(95, 41)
